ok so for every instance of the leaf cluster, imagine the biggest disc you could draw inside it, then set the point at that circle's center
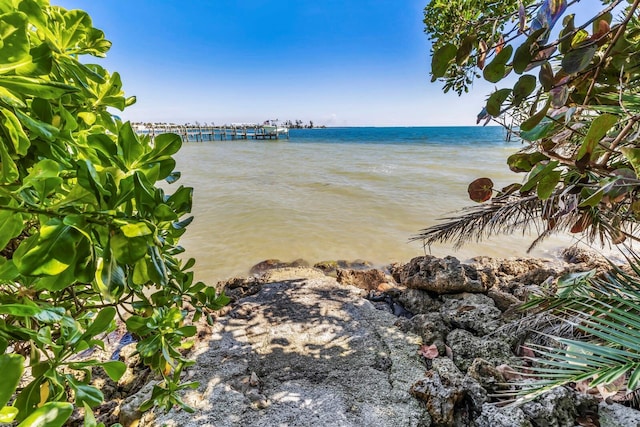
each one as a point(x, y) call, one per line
point(86, 236)
point(575, 103)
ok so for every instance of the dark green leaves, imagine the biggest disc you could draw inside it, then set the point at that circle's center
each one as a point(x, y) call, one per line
point(577, 60)
point(598, 129)
point(83, 227)
point(495, 101)
point(523, 88)
point(11, 366)
point(497, 69)
point(524, 162)
point(50, 252)
point(441, 59)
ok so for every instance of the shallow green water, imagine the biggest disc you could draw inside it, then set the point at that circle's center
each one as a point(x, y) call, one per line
point(338, 194)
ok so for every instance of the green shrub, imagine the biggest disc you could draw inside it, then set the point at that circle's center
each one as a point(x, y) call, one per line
point(85, 234)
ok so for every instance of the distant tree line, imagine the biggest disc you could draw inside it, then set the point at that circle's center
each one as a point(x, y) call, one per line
point(298, 124)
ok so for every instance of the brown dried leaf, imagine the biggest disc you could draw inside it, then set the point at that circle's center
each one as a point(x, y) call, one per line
point(480, 190)
point(482, 48)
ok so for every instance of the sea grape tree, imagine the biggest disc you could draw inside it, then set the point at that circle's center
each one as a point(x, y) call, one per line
point(570, 91)
point(86, 236)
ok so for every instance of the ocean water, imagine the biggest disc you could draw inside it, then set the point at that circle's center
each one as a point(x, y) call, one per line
point(339, 193)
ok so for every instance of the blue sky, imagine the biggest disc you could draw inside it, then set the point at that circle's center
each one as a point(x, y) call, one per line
point(336, 62)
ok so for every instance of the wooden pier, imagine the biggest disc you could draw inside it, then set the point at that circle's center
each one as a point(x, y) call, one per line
point(206, 133)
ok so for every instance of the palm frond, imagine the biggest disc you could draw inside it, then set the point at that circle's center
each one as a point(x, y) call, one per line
point(605, 311)
point(508, 213)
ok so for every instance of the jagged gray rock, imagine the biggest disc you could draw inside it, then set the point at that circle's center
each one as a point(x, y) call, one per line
point(466, 347)
point(616, 415)
point(473, 312)
point(303, 352)
point(418, 301)
point(440, 275)
point(493, 416)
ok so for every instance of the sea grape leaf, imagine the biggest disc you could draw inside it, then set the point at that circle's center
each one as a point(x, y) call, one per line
point(496, 70)
point(480, 190)
point(441, 59)
point(547, 184)
point(524, 162)
point(534, 120)
point(522, 57)
point(495, 101)
point(546, 76)
point(569, 27)
point(537, 173)
point(543, 129)
point(598, 129)
point(577, 60)
point(578, 38)
point(523, 88)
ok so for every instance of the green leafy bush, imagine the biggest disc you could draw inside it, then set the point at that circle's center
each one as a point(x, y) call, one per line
point(574, 102)
point(85, 234)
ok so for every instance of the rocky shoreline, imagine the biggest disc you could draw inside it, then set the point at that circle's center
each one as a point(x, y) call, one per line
point(428, 343)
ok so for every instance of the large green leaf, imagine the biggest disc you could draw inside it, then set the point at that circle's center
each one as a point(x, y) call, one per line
point(496, 70)
point(441, 59)
point(128, 250)
point(8, 169)
point(11, 225)
point(11, 366)
point(598, 129)
point(523, 88)
point(14, 132)
point(74, 30)
point(547, 184)
point(51, 251)
point(85, 393)
point(130, 145)
point(166, 145)
point(577, 60)
point(51, 414)
point(14, 43)
point(29, 86)
point(465, 49)
point(495, 101)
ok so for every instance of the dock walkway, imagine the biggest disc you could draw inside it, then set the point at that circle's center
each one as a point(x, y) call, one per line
point(206, 133)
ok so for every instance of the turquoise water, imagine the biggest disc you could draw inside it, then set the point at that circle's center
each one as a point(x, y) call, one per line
point(338, 193)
